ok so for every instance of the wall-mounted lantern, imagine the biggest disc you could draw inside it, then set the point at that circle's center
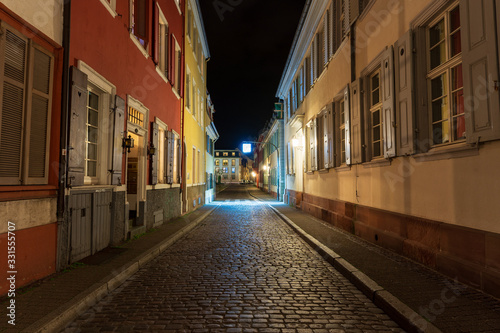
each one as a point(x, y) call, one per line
point(128, 143)
point(151, 150)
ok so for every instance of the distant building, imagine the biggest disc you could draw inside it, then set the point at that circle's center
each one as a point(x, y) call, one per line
point(212, 136)
point(392, 128)
point(227, 166)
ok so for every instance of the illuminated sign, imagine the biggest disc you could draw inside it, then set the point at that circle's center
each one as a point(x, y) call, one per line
point(247, 148)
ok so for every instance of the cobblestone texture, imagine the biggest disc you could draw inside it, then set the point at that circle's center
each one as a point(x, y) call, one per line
point(242, 270)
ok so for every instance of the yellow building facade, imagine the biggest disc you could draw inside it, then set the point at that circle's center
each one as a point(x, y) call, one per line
point(392, 128)
point(195, 101)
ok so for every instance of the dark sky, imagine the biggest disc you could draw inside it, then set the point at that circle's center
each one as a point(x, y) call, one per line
point(249, 41)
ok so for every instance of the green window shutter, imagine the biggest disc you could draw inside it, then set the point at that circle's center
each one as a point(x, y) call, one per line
point(38, 118)
point(405, 118)
point(13, 60)
point(77, 128)
point(347, 116)
point(480, 70)
point(356, 128)
point(388, 119)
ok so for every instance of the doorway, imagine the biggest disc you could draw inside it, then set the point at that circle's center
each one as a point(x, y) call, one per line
point(135, 180)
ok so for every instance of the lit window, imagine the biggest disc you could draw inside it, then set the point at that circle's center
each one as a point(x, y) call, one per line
point(92, 139)
point(342, 131)
point(445, 79)
point(375, 112)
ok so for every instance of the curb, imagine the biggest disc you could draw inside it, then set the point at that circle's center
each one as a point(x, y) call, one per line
point(402, 314)
point(59, 318)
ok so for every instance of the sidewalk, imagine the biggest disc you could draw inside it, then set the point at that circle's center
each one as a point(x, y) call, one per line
point(446, 304)
point(47, 306)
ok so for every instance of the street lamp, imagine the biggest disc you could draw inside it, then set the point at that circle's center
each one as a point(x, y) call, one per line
point(246, 149)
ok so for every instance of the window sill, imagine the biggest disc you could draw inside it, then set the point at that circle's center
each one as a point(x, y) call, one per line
point(324, 171)
point(176, 93)
point(139, 45)
point(343, 168)
point(448, 152)
point(92, 188)
point(162, 186)
point(178, 7)
point(110, 9)
point(376, 163)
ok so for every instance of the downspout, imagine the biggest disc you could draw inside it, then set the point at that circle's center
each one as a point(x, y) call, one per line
point(183, 143)
point(62, 222)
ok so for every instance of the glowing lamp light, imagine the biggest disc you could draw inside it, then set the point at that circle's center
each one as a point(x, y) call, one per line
point(247, 148)
point(254, 174)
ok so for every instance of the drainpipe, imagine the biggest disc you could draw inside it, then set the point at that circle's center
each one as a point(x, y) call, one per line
point(62, 222)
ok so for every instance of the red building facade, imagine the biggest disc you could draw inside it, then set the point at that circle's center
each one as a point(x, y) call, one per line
point(124, 122)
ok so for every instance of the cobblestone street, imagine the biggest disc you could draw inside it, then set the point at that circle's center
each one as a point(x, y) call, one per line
point(241, 270)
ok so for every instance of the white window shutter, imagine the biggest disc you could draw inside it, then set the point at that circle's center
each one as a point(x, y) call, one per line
point(480, 70)
point(155, 142)
point(421, 113)
point(330, 130)
point(405, 118)
point(388, 119)
point(347, 126)
point(77, 128)
point(332, 30)
point(170, 154)
point(117, 124)
point(356, 128)
point(13, 60)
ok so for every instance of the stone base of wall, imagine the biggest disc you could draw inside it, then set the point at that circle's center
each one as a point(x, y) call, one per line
point(163, 205)
point(195, 197)
point(472, 256)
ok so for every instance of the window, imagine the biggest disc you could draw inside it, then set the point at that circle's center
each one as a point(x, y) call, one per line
point(26, 88)
point(217, 153)
point(225, 162)
point(445, 78)
point(233, 162)
point(234, 154)
point(163, 44)
point(233, 170)
point(194, 168)
point(217, 162)
point(92, 140)
point(320, 144)
point(135, 117)
point(139, 20)
point(225, 170)
point(110, 5)
point(225, 154)
point(375, 102)
point(188, 89)
point(162, 138)
point(177, 58)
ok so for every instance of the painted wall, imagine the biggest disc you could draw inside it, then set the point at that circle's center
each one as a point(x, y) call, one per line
point(46, 16)
point(459, 191)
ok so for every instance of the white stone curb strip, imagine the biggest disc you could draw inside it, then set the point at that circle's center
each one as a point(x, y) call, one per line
point(407, 318)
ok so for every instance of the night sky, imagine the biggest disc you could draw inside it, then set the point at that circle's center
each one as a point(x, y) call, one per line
point(249, 42)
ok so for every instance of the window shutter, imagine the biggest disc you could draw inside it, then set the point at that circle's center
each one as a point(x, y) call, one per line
point(38, 119)
point(332, 31)
point(480, 70)
point(288, 165)
point(319, 59)
point(326, 37)
point(347, 16)
point(353, 11)
point(166, 39)
point(140, 17)
point(326, 147)
point(157, 34)
point(179, 159)
point(155, 142)
point(118, 135)
point(387, 79)
point(171, 63)
point(312, 65)
point(180, 86)
point(404, 90)
point(330, 130)
point(170, 155)
point(337, 135)
point(12, 86)
point(347, 126)
point(421, 110)
point(356, 127)
point(77, 127)
point(314, 144)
